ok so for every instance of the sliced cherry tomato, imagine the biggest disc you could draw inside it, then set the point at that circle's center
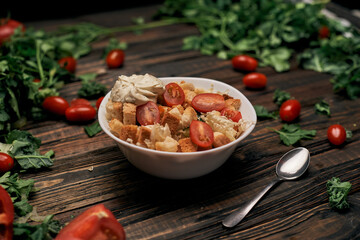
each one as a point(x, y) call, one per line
point(336, 134)
point(232, 114)
point(6, 215)
point(80, 113)
point(324, 32)
point(148, 113)
point(244, 63)
point(98, 102)
point(56, 105)
point(201, 134)
point(6, 162)
point(80, 101)
point(7, 28)
point(173, 94)
point(96, 223)
point(115, 58)
point(207, 102)
point(290, 110)
point(68, 63)
point(36, 80)
point(255, 80)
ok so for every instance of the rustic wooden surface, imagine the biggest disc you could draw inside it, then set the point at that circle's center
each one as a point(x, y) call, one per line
point(153, 208)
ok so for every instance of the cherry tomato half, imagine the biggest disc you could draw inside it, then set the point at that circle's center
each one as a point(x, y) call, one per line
point(290, 110)
point(244, 63)
point(95, 223)
point(231, 114)
point(115, 58)
point(6, 162)
point(201, 134)
point(56, 105)
point(68, 63)
point(7, 28)
point(173, 94)
point(80, 101)
point(80, 113)
point(324, 32)
point(148, 113)
point(6, 215)
point(207, 102)
point(98, 102)
point(255, 80)
point(336, 134)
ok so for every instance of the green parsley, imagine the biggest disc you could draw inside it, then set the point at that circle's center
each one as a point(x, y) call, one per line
point(93, 129)
point(292, 133)
point(263, 113)
point(280, 96)
point(338, 192)
point(323, 108)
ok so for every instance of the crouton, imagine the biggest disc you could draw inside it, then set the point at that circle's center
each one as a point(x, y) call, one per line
point(180, 108)
point(115, 126)
point(129, 114)
point(129, 133)
point(187, 86)
point(172, 119)
point(186, 145)
point(233, 103)
point(163, 110)
point(114, 110)
point(220, 139)
point(169, 145)
point(143, 134)
point(189, 95)
point(187, 117)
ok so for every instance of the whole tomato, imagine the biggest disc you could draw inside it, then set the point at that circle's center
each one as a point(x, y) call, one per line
point(6, 215)
point(80, 113)
point(324, 32)
point(255, 80)
point(56, 105)
point(290, 110)
point(98, 102)
point(244, 63)
point(336, 134)
point(115, 58)
point(7, 28)
point(68, 63)
point(6, 162)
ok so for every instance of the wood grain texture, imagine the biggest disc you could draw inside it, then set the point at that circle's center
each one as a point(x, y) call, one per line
point(88, 171)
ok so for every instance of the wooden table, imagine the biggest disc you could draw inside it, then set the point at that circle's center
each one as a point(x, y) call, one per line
point(88, 171)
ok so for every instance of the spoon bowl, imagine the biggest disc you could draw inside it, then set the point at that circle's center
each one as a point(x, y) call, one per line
point(290, 166)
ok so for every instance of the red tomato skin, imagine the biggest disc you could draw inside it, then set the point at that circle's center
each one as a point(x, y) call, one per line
point(148, 114)
point(290, 110)
point(207, 102)
point(80, 113)
point(324, 32)
point(6, 215)
point(244, 63)
point(68, 63)
point(336, 134)
point(255, 80)
point(56, 105)
point(96, 223)
point(7, 28)
point(6, 162)
point(173, 94)
point(201, 134)
point(115, 58)
point(231, 114)
point(98, 102)
point(80, 101)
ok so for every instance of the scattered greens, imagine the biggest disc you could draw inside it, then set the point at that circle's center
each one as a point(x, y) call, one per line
point(280, 96)
point(263, 113)
point(90, 88)
point(292, 133)
point(338, 192)
point(93, 129)
point(114, 44)
point(323, 108)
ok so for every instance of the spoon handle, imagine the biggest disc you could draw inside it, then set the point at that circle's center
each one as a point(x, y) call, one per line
point(238, 215)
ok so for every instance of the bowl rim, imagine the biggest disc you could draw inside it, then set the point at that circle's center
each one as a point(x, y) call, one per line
point(153, 151)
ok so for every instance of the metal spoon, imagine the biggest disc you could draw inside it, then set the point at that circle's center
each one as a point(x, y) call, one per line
point(291, 165)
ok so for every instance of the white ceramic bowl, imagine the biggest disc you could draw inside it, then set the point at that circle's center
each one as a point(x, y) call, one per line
point(171, 165)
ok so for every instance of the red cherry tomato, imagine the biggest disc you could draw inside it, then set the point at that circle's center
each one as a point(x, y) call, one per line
point(6, 162)
point(36, 80)
point(68, 63)
point(290, 110)
point(6, 215)
point(201, 134)
point(255, 80)
point(56, 105)
point(336, 134)
point(115, 58)
point(80, 113)
point(7, 28)
point(324, 32)
point(244, 63)
point(95, 223)
point(80, 101)
point(173, 94)
point(98, 102)
point(148, 113)
point(207, 102)
point(231, 114)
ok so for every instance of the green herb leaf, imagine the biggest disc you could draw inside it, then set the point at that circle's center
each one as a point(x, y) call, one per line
point(92, 90)
point(338, 192)
point(323, 108)
point(280, 96)
point(263, 113)
point(292, 133)
point(93, 129)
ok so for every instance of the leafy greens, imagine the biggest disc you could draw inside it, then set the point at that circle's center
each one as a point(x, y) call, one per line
point(338, 192)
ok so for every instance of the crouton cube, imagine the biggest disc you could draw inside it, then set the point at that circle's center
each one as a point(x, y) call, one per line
point(143, 134)
point(233, 103)
point(186, 145)
point(115, 126)
point(172, 120)
point(129, 133)
point(114, 110)
point(187, 86)
point(188, 116)
point(220, 139)
point(129, 114)
point(189, 95)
